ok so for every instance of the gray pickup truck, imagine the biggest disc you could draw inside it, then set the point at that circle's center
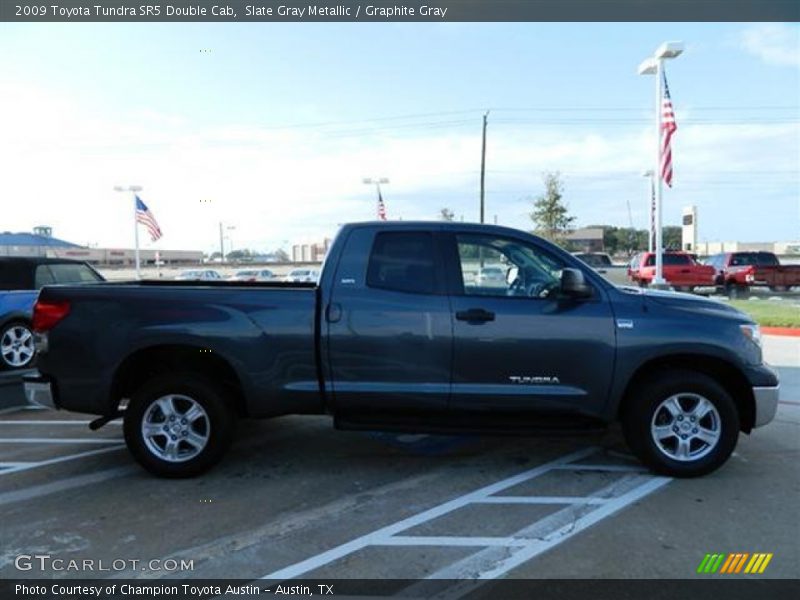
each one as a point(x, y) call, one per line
point(403, 333)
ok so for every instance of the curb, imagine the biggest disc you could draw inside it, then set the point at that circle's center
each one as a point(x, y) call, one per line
point(787, 331)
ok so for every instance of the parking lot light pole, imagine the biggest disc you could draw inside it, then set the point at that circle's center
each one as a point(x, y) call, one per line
point(377, 181)
point(133, 189)
point(654, 65)
point(651, 208)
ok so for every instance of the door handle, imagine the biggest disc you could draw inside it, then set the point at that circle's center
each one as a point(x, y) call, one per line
point(685, 271)
point(334, 312)
point(475, 315)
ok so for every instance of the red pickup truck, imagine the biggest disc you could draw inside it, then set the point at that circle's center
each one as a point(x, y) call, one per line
point(680, 270)
point(738, 271)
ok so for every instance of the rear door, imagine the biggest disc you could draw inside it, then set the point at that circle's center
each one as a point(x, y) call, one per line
point(520, 347)
point(388, 324)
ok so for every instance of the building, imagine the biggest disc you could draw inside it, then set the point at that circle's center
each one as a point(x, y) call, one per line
point(310, 253)
point(586, 239)
point(42, 243)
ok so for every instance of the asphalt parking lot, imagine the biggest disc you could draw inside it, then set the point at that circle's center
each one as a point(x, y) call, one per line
point(295, 498)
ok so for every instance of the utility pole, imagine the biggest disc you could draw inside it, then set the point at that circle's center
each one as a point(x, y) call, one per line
point(483, 164)
point(221, 245)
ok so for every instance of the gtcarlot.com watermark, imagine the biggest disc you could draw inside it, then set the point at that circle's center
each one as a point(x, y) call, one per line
point(45, 562)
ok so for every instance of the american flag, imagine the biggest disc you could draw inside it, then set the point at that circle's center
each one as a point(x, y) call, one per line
point(668, 127)
point(381, 207)
point(146, 218)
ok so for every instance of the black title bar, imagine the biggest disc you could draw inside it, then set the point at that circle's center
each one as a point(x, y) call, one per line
point(242, 11)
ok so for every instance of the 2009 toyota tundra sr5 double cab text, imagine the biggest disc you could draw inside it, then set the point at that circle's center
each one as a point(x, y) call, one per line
point(401, 334)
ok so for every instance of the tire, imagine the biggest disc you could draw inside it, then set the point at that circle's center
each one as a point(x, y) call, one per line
point(651, 418)
point(735, 290)
point(16, 346)
point(199, 425)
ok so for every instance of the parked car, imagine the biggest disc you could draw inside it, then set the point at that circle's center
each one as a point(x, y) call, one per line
point(491, 276)
point(394, 337)
point(737, 272)
point(20, 281)
point(198, 275)
point(680, 270)
point(596, 260)
point(252, 275)
point(302, 275)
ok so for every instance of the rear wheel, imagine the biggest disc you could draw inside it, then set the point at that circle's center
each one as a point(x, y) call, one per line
point(16, 345)
point(178, 425)
point(681, 423)
point(735, 290)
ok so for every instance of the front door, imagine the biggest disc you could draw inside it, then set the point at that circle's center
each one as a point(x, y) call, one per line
point(519, 346)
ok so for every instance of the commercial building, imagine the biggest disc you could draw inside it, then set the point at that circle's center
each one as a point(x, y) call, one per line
point(310, 253)
point(42, 243)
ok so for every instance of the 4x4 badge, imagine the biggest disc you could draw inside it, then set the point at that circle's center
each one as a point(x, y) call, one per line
point(624, 324)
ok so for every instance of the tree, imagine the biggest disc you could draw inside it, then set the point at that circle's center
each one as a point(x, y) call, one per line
point(281, 255)
point(550, 215)
point(445, 214)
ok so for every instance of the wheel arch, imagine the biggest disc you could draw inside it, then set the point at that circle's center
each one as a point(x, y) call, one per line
point(722, 371)
point(169, 358)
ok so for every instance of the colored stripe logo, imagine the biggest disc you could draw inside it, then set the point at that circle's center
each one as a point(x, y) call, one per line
point(735, 562)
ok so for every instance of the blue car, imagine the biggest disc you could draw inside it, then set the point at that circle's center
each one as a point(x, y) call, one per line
point(21, 278)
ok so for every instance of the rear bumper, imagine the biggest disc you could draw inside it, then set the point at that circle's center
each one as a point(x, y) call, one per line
point(39, 391)
point(766, 399)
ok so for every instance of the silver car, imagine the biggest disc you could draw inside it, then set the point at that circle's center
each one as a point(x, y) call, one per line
point(199, 275)
point(302, 276)
point(252, 275)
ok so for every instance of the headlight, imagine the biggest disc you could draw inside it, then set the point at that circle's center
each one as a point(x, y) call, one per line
point(752, 332)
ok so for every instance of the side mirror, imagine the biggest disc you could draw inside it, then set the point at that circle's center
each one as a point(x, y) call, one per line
point(574, 285)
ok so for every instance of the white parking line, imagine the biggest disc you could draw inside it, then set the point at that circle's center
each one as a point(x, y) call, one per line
point(45, 422)
point(501, 554)
point(60, 440)
point(61, 485)
point(59, 459)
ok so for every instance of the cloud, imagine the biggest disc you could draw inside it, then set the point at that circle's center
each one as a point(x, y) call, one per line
point(62, 160)
point(774, 43)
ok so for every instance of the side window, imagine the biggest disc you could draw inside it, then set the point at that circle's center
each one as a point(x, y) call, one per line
point(492, 266)
point(43, 277)
point(403, 262)
point(651, 260)
point(72, 273)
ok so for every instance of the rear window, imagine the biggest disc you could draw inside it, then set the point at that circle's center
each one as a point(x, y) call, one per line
point(69, 273)
point(760, 259)
point(403, 262)
point(670, 260)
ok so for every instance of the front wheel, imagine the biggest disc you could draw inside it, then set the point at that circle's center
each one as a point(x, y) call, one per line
point(681, 423)
point(178, 425)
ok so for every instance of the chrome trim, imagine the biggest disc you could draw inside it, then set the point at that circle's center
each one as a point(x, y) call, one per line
point(39, 393)
point(766, 404)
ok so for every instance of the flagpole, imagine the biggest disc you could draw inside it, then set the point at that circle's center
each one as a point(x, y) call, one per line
point(658, 280)
point(133, 189)
point(136, 239)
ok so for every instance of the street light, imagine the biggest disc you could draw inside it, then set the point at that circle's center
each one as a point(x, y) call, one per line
point(133, 189)
point(654, 65)
point(377, 181)
point(221, 238)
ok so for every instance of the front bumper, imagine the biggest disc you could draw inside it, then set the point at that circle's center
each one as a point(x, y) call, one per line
point(766, 404)
point(39, 391)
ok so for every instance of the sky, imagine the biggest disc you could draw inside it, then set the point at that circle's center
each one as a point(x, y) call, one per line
point(270, 128)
